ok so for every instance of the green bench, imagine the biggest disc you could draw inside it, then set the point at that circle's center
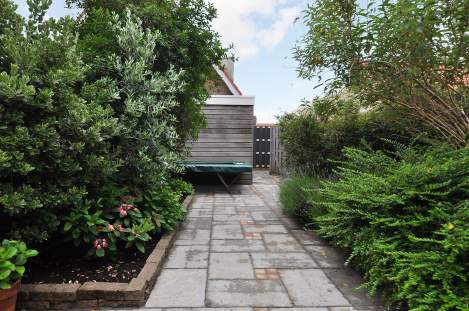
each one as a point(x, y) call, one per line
point(219, 168)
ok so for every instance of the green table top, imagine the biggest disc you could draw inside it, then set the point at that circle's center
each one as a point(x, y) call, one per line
point(217, 167)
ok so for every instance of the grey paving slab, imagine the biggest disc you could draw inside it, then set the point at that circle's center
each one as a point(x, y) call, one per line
point(237, 246)
point(194, 234)
point(264, 215)
point(191, 256)
point(311, 287)
point(227, 232)
point(179, 288)
point(281, 243)
point(224, 210)
point(258, 293)
point(230, 266)
point(198, 223)
point(326, 256)
point(299, 309)
point(202, 212)
point(265, 228)
point(283, 260)
point(228, 218)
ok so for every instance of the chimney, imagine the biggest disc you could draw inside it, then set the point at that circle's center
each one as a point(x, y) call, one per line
point(228, 66)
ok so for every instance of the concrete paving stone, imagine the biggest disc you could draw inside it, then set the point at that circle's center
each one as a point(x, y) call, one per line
point(202, 212)
point(283, 260)
point(230, 266)
point(227, 232)
point(198, 223)
point(237, 246)
point(191, 256)
point(224, 210)
point(252, 208)
point(265, 229)
point(348, 280)
point(326, 256)
point(299, 309)
point(264, 215)
point(308, 237)
point(179, 288)
point(311, 287)
point(240, 293)
point(230, 218)
point(194, 235)
point(282, 243)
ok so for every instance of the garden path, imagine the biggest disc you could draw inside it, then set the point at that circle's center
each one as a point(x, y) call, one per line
point(240, 253)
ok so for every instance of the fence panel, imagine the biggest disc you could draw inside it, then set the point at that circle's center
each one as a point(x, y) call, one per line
point(276, 154)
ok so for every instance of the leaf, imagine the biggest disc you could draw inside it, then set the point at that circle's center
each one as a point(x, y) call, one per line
point(4, 285)
point(20, 270)
point(31, 253)
point(10, 252)
point(67, 226)
point(140, 246)
point(5, 274)
point(100, 252)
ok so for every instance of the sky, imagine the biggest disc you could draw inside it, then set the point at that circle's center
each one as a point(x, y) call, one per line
point(263, 33)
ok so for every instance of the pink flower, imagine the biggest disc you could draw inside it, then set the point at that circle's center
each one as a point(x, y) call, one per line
point(104, 243)
point(110, 227)
point(120, 228)
point(123, 213)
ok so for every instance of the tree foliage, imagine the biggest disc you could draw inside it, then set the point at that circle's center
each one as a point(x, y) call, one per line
point(408, 54)
point(187, 43)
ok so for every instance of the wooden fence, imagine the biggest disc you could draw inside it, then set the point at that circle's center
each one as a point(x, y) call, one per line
point(276, 154)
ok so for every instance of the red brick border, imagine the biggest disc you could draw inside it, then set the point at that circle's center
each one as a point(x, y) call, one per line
point(40, 297)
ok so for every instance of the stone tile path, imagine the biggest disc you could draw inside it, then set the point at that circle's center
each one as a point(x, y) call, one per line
point(239, 253)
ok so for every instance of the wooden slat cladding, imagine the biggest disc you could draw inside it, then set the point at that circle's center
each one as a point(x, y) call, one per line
point(228, 136)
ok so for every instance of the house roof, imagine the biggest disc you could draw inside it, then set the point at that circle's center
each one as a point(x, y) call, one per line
point(234, 89)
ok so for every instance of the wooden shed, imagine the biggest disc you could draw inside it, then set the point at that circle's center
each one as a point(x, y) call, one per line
point(230, 125)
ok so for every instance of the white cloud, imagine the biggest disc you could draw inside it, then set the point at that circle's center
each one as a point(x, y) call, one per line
point(254, 25)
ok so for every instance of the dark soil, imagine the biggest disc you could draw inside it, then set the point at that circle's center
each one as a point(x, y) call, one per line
point(67, 264)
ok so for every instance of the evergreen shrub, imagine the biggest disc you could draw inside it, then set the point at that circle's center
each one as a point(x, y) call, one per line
point(405, 220)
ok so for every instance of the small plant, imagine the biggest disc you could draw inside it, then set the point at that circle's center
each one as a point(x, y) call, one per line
point(296, 194)
point(13, 257)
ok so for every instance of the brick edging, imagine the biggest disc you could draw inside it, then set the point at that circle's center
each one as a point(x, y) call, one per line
point(101, 294)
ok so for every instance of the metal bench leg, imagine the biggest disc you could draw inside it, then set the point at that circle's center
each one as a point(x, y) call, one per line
point(224, 183)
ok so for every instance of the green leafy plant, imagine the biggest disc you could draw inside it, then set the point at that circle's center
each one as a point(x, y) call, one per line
point(164, 206)
point(297, 192)
point(13, 257)
point(404, 218)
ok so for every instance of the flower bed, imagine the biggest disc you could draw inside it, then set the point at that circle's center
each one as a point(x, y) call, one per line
point(100, 294)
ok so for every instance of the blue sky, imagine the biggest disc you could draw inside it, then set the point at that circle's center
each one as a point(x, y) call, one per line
point(264, 34)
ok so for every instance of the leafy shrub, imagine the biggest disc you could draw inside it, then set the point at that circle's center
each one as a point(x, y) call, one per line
point(55, 127)
point(313, 137)
point(165, 206)
point(83, 142)
point(405, 220)
point(296, 194)
point(13, 257)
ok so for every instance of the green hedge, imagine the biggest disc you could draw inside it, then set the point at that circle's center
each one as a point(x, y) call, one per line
point(405, 220)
